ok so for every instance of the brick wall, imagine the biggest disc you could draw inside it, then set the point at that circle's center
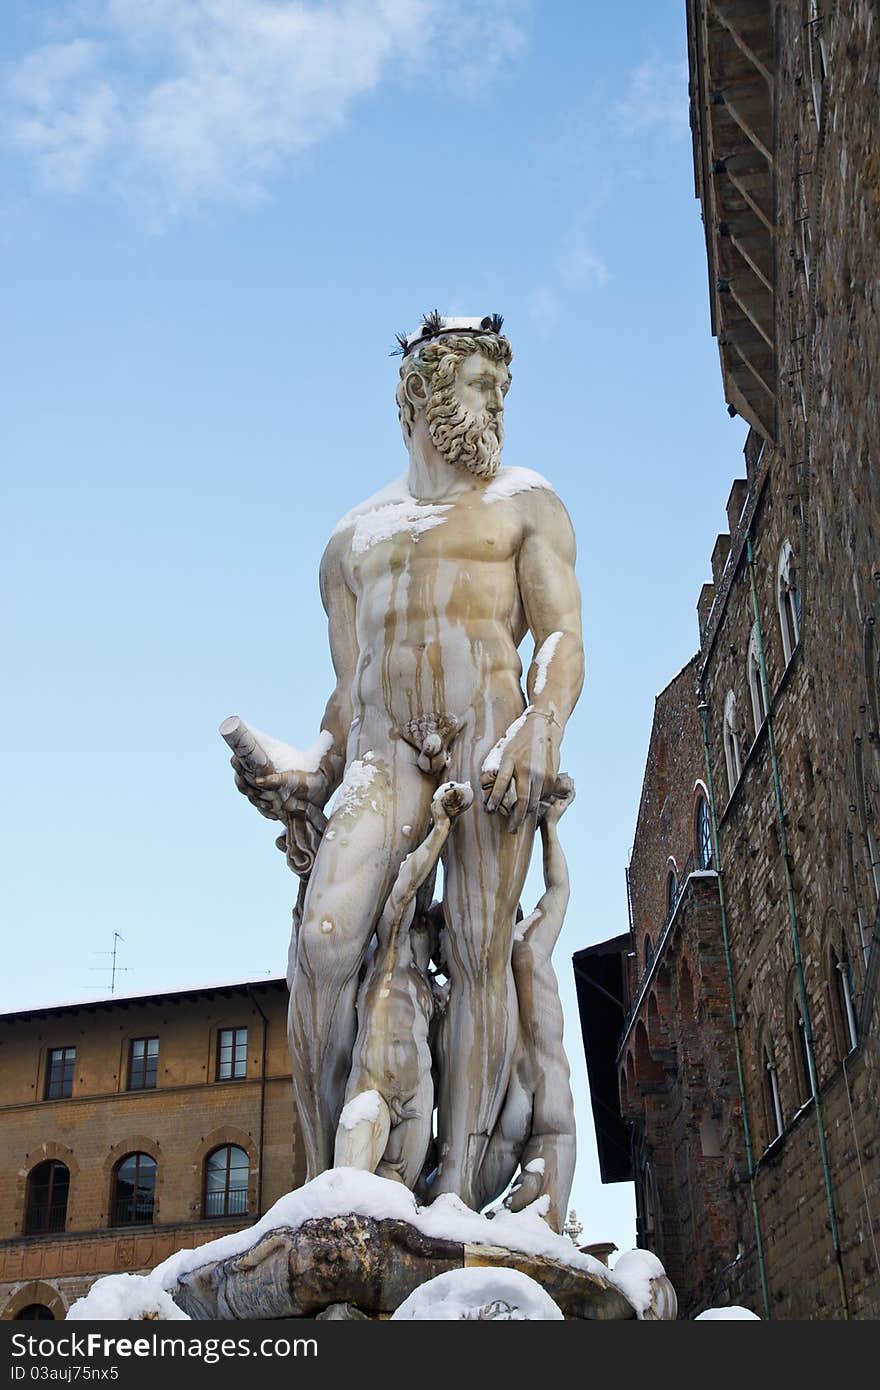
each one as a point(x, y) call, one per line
point(808, 883)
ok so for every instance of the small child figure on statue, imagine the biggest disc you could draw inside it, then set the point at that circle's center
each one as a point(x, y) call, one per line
point(385, 1125)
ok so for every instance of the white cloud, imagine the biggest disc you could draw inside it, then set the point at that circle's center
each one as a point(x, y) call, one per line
point(655, 97)
point(207, 98)
point(67, 113)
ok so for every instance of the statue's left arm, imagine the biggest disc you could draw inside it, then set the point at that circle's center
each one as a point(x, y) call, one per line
point(552, 605)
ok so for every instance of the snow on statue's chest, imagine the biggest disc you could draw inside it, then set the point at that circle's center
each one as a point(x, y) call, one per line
point(426, 543)
point(482, 527)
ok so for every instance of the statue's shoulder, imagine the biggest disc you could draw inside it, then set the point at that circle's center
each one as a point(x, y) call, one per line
point(392, 492)
point(513, 483)
point(527, 493)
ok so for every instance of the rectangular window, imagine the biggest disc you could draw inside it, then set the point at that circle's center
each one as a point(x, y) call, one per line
point(231, 1053)
point(143, 1063)
point(59, 1072)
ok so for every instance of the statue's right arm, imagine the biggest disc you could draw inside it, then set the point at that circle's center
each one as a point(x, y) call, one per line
point(277, 794)
point(340, 605)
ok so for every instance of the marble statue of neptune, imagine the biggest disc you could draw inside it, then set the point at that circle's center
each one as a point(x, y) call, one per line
point(430, 586)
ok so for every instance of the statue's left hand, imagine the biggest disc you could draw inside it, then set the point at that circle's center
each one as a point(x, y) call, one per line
point(529, 763)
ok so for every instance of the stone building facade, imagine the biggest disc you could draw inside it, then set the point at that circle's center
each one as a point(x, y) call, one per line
point(135, 1127)
point(749, 1058)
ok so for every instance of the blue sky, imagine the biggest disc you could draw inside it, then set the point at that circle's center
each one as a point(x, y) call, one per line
point(215, 216)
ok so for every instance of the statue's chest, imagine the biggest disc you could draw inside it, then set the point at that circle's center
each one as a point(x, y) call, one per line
point(418, 540)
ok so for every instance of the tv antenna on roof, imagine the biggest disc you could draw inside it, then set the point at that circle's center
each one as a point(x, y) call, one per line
point(114, 968)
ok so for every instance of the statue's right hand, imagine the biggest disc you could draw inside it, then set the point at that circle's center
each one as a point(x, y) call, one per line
point(275, 793)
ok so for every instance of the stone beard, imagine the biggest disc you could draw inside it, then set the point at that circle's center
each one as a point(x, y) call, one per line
point(464, 438)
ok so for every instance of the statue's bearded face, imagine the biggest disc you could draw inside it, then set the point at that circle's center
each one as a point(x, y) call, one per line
point(465, 414)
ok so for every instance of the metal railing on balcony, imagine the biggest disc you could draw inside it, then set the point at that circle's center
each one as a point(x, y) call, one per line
point(128, 1212)
point(231, 1201)
point(41, 1219)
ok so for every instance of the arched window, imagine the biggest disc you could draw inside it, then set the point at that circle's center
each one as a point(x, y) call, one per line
point(806, 1081)
point(772, 1104)
point(756, 685)
point(703, 834)
point(47, 1189)
point(671, 891)
point(732, 748)
point(843, 990)
point(134, 1190)
point(226, 1182)
point(35, 1312)
point(788, 598)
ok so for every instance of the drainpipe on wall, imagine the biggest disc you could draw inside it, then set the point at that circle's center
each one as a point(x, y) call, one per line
point(734, 1016)
point(262, 1102)
point(795, 934)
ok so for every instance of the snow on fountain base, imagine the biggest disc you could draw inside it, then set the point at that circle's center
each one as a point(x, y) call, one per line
point(354, 1239)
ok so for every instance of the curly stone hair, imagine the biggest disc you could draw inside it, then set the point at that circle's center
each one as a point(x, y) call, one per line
point(436, 362)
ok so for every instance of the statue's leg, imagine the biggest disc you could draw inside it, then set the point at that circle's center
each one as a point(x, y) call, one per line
point(357, 862)
point(406, 1148)
point(362, 1134)
point(484, 870)
point(508, 1138)
point(548, 1158)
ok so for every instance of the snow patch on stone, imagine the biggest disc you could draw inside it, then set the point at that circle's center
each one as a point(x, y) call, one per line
point(396, 491)
point(733, 1313)
point(492, 760)
point(342, 1191)
point(126, 1298)
point(479, 1295)
point(633, 1272)
point(543, 658)
point(355, 785)
point(365, 1106)
point(285, 758)
point(394, 518)
point(509, 481)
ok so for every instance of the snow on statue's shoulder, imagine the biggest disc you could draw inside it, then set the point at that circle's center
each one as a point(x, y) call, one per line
point(509, 481)
point(395, 491)
point(388, 513)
